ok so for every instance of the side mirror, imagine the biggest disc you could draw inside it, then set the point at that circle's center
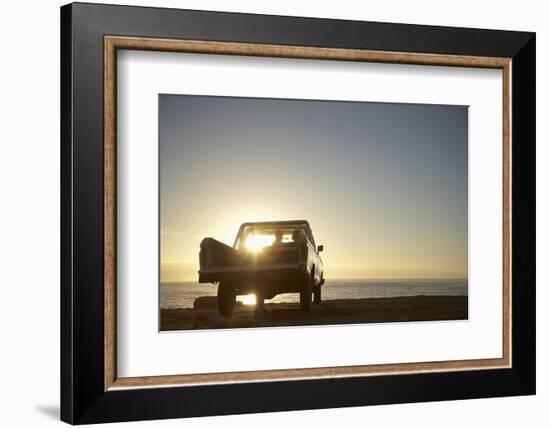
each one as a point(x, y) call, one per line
point(319, 248)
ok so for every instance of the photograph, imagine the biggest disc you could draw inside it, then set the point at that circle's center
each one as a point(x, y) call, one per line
point(286, 212)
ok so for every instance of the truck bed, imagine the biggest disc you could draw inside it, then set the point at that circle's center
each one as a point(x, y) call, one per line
point(220, 262)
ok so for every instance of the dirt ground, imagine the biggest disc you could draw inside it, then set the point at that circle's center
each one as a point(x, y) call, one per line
point(353, 311)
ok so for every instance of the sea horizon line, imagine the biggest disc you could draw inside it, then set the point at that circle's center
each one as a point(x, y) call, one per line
point(356, 279)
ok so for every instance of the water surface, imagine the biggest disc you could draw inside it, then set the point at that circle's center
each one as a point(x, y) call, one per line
point(182, 294)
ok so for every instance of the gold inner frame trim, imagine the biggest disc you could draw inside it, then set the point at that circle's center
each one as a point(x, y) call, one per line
point(113, 43)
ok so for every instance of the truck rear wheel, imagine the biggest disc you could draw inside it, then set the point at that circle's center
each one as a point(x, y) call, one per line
point(317, 294)
point(260, 302)
point(226, 299)
point(305, 293)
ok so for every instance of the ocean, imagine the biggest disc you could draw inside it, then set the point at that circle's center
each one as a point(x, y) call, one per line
point(175, 295)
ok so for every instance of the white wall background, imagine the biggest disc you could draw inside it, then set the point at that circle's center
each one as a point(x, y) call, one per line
point(29, 214)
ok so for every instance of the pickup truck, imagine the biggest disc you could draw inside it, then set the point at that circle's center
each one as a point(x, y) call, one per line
point(266, 259)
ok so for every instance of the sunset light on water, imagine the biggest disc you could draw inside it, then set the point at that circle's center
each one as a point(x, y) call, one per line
point(248, 299)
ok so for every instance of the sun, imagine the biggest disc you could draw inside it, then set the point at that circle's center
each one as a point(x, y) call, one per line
point(256, 242)
point(248, 299)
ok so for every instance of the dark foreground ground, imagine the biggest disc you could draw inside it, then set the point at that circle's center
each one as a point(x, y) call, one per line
point(205, 314)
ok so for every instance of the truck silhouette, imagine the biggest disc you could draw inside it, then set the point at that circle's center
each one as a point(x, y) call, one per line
point(267, 258)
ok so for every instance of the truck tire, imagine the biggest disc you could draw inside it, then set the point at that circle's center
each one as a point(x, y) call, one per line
point(259, 302)
point(317, 293)
point(226, 299)
point(305, 293)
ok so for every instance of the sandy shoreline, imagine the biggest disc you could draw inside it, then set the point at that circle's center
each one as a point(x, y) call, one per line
point(394, 309)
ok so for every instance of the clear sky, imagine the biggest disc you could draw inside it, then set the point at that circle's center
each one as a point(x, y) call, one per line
point(384, 186)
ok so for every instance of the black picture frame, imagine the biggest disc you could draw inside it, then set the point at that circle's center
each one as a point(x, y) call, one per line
point(83, 398)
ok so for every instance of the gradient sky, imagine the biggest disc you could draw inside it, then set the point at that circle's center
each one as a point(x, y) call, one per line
point(384, 186)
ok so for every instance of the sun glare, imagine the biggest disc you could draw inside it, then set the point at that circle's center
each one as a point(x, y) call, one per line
point(257, 242)
point(248, 299)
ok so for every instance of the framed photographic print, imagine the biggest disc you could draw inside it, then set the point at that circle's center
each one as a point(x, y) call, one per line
point(266, 213)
